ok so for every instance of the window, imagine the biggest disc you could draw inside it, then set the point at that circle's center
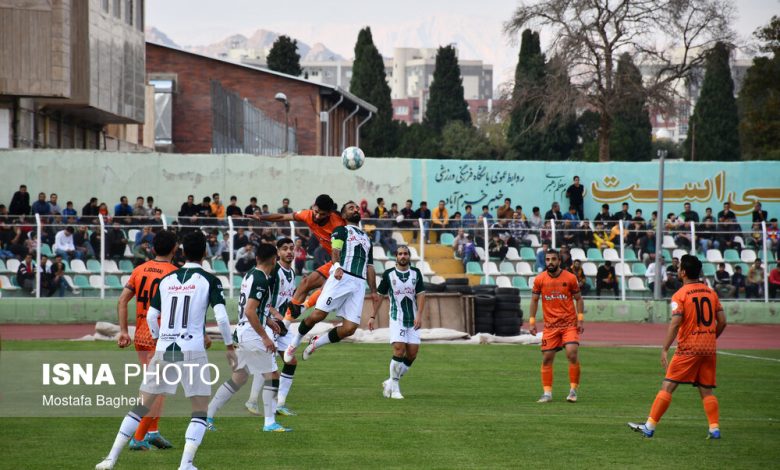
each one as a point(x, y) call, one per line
point(402, 110)
point(139, 13)
point(105, 5)
point(129, 12)
point(163, 111)
point(117, 10)
point(314, 73)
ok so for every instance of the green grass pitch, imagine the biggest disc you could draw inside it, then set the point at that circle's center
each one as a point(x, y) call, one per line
point(466, 406)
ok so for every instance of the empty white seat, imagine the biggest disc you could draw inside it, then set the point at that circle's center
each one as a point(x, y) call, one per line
point(425, 268)
point(5, 283)
point(589, 269)
point(512, 254)
point(76, 265)
point(225, 282)
point(437, 280)
point(96, 282)
point(739, 240)
point(578, 254)
point(531, 281)
point(503, 281)
point(207, 266)
point(611, 254)
point(413, 255)
point(389, 264)
point(524, 269)
point(399, 238)
point(124, 279)
point(131, 234)
point(678, 253)
point(128, 251)
point(669, 243)
point(714, 256)
point(636, 284)
point(13, 265)
point(491, 268)
point(481, 253)
point(730, 269)
point(379, 253)
point(534, 240)
point(622, 269)
point(110, 267)
point(747, 256)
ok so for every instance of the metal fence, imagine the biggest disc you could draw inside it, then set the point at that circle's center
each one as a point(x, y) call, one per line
point(239, 127)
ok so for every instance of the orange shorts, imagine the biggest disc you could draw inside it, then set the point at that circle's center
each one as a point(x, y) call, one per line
point(324, 270)
point(554, 339)
point(698, 371)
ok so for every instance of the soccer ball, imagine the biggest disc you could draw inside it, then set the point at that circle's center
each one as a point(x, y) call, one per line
point(352, 158)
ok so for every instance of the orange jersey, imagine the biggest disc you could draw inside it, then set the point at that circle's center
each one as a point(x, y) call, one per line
point(144, 282)
point(557, 294)
point(322, 232)
point(698, 306)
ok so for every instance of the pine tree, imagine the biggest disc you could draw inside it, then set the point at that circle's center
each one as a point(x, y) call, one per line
point(631, 138)
point(713, 128)
point(284, 56)
point(378, 137)
point(446, 102)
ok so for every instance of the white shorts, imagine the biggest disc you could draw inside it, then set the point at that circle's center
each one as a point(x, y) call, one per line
point(282, 342)
point(253, 356)
point(403, 334)
point(345, 296)
point(164, 377)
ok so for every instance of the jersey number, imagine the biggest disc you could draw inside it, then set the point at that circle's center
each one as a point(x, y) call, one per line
point(186, 314)
point(145, 296)
point(703, 315)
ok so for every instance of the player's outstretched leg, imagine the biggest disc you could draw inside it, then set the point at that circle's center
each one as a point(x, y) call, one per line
point(661, 403)
point(303, 328)
point(224, 393)
point(126, 431)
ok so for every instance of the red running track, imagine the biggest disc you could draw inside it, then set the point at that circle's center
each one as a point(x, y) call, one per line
point(596, 334)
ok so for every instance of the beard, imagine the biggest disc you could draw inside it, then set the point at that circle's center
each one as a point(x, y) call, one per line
point(354, 218)
point(551, 268)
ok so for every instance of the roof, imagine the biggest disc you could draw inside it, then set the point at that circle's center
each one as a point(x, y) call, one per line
point(336, 89)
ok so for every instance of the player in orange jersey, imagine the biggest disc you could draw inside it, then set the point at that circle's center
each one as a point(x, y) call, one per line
point(697, 321)
point(563, 321)
point(143, 285)
point(322, 219)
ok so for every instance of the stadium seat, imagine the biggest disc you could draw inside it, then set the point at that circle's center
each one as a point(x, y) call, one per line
point(113, 282)
point(111, 267)
point(224, 281)
point(578, 254)
point(731, 256)
point(503, 281)
point(425, 268)
point(413, 255)
point(128, 252)
point(512, 254)
point(93, 266)
point(126, 266)
point(378, 253)
point(379, 267)
point(446, 239)
point(206, 265)
point(389, 264)
point(745, 267)
point(630, 255)
point(528, 254)
point(524, 269)
point(487, 281)
point(702, 257)
point(472, 267)
point(589, 269)
point(531, 281)
point(636, 284)
point(81, 281)
point(491, 269)
point(679, 253)
point(708, 269)
point(594, 255)
point(237, 278)
point(46, 250)
point(481, 253)
point(669, 243)
point(12, 265)
point(399, 238)
point(638, 269)
point(506, 268)
point(534, 240)
point(730, 270)
point(739, 241)
point(124, 279)
point(520, 283)
point(667, 254)
point(437, 280)
point(747, 256)
point(714, 256)
point(611, 254)
point(622, 268)
point(77, 267)
point(3, 268)
point(6, 284)
point(220, 267)
point(96, 282)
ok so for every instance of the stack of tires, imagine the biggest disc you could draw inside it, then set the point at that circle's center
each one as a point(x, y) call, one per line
point(484, 306)
point(507, 314)
point(458, 284)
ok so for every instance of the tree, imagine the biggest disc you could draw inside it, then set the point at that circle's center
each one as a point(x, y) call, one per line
point(446, 102)
point(284, 56)
point(524, 138)
point(713, 130)
point(589, 35)
point(418, 141)
point(461, 140)
point(759, 99)
point(378, 137)
point(631, 138)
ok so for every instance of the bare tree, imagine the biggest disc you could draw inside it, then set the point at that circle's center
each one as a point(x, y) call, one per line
point(667, 38)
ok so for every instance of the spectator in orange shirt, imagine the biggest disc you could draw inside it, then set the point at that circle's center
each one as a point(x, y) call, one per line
point(440, 219)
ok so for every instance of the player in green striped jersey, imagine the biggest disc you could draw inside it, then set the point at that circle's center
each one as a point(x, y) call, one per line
point(404, 286)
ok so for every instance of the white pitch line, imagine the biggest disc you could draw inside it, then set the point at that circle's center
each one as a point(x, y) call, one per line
point(749, 357)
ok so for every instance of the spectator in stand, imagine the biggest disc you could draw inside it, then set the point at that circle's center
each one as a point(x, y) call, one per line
point(408, 213)
point(64, 245)
point(496, 247)
point(604, 216)
point(459, 243)
point(505, 212)
point(150, 209)
point(576, 195)
point(240, 239)
point(20, 202)
point(81, 242)
point(54, 207)
point(469, 251)
point(94, 242)
point(252, 207)
point(535, 222)
point(623, 214)
point(673, 277)
point(217, 208)
point(554, 212)
point(756, 238)
point(634, 234)
point(727, 213)
point(772, 235)
point(689, 215)
point(69, 211)
point(58, 283)
point(586, 235)
point(3, 212)
point(758, 214)
point(156, 222)
point(518, 231)
point(90, 210)
point(440, 219)
point(727, 230)
point(738, 281)
point(540, 265)
point(545, 235)
point(639, 217)
point(300, 256)
point(123, 209)
point(380, 210)
point(393, 213)
point(469, 220)
point(606, 279)
point(572, 215)
point(706, 233)
point(41, 206)
point(145, 235)
point(423, 213)
point(232, 210)
point(285, 209)
point(579, 273)
point(25, 274)
point(204, 209)
point(723, 285)
point(116, 242)
point(139, 210)
point(103, 210)
point(774, 282)
point(485, 215)
point(653, 221)
point(565, 256)
point(142, 253)
point(569, 234)
point(754, 284)
point(9, 241)
point(245, 259)
point(602, 238)
point(215, 248)
point(364, 212)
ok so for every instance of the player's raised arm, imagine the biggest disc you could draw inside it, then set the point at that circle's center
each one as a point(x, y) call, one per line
point(272, 217)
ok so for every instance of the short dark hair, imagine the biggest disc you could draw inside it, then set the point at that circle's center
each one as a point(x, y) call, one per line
point(605, 206)
point(468, 206)
point(691, 265)
point(625, 204)
point(379, 200)
point(552, 251)
point(423, 203)
point(409, 201)
point(721, 265)
point(233, 198)
point(535, 209)
point(405, 247)
point(509, 200)
point(485, 207)
point(215, 195)
point(149, 199)
point(283, 241)
point(139, 197)
point(164, 242)
point(252, 199)
point(190, 196)
point(194, 246)
point(576, 177)
point(325, 203)
point(69, 229)
point(265, 251)
point(518, 208)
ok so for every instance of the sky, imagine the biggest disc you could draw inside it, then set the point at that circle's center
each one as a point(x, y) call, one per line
point(475, 25)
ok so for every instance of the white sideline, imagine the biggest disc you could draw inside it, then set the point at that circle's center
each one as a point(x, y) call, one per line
point(749, 357)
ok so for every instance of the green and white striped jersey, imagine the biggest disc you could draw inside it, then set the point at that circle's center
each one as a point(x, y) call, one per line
point(355, 246)
point(402, 288)
point(255, 285)
point(282, 288)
